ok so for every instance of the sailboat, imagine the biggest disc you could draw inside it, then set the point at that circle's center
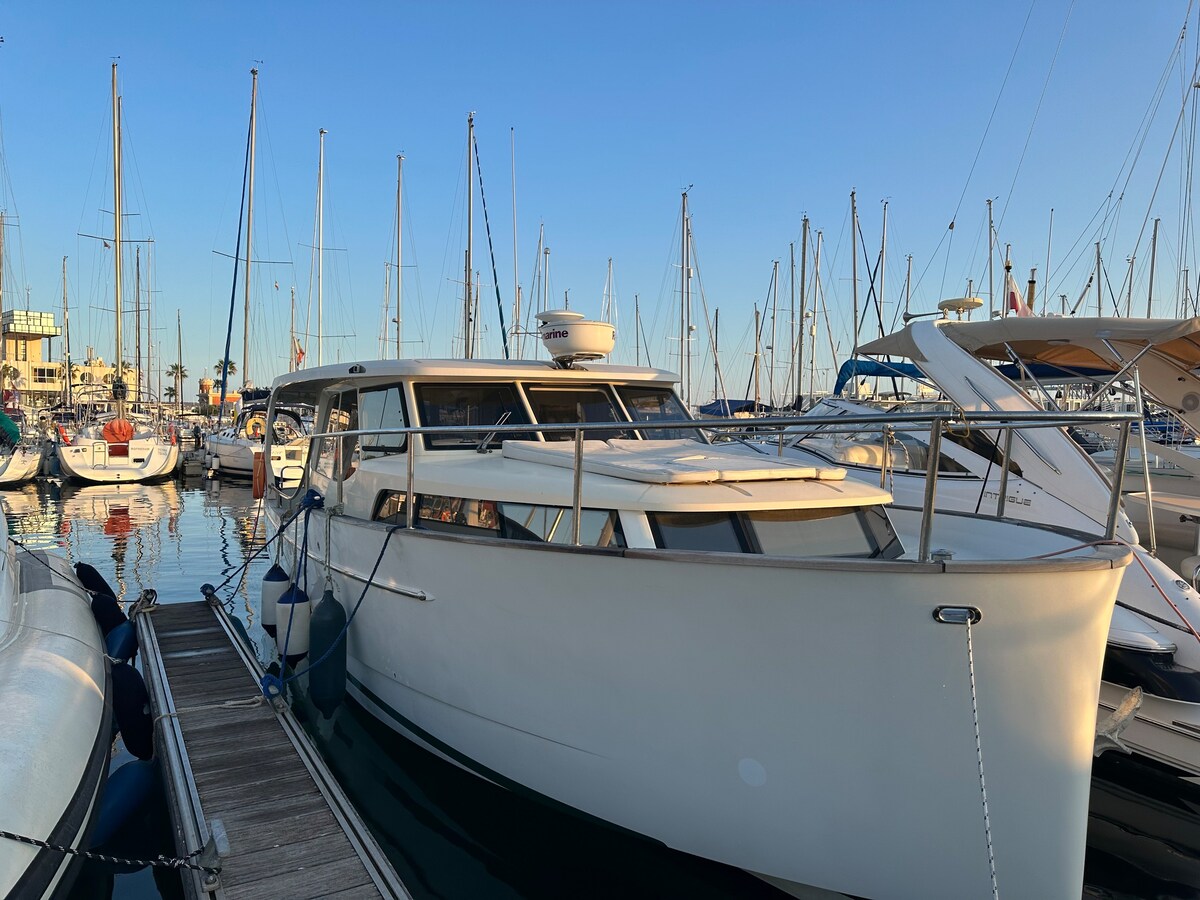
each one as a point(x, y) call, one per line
point(118, 447)
point(233, 449)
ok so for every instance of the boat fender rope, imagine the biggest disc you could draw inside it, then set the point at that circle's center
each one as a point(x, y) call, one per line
point(273, 685)
point(162, 861)
point(312, 499)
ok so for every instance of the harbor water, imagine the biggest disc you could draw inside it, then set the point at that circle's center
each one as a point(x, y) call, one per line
point(449, 834)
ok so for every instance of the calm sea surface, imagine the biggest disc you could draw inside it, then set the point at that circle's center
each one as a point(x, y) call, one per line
point(450, 835)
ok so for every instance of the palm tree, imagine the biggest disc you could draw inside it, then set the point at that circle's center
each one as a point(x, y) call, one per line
point(169, 392)
point(179, 373)
point(225, 366)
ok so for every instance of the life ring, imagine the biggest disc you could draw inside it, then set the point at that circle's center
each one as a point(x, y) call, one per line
point(171, 432)
point(62, 434)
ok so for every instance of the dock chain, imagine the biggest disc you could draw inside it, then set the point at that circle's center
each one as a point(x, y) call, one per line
point(163, 862)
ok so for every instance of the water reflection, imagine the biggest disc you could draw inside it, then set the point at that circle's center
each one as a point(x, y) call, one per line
point(449, 834)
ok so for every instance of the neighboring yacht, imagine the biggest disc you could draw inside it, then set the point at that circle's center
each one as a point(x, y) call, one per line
point(232, 449)
point(732, 655)
point(1043, 477)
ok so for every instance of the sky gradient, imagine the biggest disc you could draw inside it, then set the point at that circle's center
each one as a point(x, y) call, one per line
point(769, 111)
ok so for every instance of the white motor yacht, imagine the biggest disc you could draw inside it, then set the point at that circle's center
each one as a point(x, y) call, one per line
point(56, 722)
point(734, 656)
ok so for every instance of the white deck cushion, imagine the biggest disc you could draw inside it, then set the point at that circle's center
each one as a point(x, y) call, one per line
point(666, 462)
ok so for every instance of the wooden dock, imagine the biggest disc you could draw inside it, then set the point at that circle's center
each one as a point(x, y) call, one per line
point(245, 775)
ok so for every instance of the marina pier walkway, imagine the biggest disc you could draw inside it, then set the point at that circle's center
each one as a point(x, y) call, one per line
point(245, 775)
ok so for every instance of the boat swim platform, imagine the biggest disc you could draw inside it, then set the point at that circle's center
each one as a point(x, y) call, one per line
point(242, 777)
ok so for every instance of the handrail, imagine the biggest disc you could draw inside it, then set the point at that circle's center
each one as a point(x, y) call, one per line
point(937, 421)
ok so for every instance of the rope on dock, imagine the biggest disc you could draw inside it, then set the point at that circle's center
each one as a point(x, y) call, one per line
point(247, 703)
point(161, 861)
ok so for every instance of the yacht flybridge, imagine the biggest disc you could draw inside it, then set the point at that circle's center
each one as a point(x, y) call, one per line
point(567, 590)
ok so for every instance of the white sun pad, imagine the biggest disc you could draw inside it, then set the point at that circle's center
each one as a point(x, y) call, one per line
point(665, 462)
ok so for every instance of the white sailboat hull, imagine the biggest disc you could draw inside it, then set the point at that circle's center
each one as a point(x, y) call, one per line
point(90, 460)
point(790, 717)
point(21, 463)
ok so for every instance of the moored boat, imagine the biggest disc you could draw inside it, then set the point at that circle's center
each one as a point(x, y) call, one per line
point(56, 721)
point(733, 656)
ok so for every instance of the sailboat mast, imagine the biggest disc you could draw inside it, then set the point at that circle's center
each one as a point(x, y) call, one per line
point(774, 331)
point(684, 306)
point(512, 143)
point(66, 336)
point(803, 307)
point(817, 299)
point(118, 394)
point(757, 354)
point(399, 254)
point(853, 271)
point(717, 355)
point(178, 362)
point(137, 324)
point(637, 331)
point(792, 322)
point(249, 227)
point(468, 279)
point(320, 240)
point(882, 268)
point(991, 262)
point(292, 361)
point(1153, 256)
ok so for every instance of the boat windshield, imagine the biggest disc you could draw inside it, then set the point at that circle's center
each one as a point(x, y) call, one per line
point(470, 404)
point(856, 532)
point(555, 405)
point(657, 404)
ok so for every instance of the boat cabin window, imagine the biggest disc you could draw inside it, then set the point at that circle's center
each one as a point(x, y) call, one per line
point(470, 404)
point(553, 405)
point(493, 518)
point(381, 408)
point(656, 404)
point(335, 455)
point(855, 532)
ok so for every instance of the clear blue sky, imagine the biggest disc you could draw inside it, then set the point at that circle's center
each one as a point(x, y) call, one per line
point(769, 111)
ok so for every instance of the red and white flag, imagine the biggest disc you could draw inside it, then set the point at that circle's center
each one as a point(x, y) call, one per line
point(1016, 301)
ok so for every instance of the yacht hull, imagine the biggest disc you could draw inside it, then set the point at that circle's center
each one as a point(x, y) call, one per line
point(789, 717)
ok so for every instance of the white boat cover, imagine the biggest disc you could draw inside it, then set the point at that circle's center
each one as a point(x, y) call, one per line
point(665, 462)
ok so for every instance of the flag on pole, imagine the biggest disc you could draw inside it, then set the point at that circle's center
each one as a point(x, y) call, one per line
point(297, 351)
point(1016, 301)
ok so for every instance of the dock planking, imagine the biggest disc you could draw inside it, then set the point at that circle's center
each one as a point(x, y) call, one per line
point(291, 831)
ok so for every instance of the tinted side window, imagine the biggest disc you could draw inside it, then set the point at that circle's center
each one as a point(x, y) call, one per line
point(382, 408)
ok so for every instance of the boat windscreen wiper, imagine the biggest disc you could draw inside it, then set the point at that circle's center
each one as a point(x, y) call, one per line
point(482, 446)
